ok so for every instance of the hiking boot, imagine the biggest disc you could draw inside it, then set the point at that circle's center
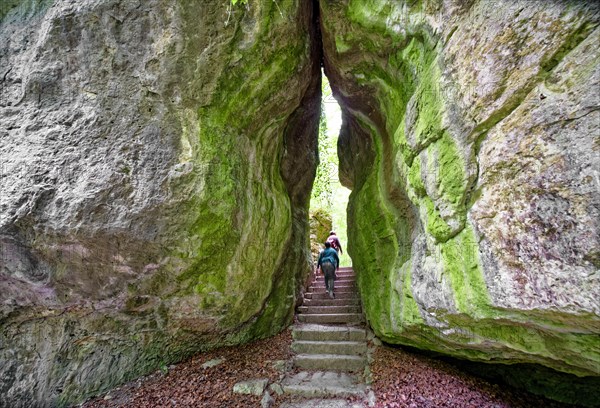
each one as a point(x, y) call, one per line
point(331, 295)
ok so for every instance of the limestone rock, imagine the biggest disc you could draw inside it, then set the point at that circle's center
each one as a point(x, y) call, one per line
point(153, 178)
point(212, 363)
point(252, 387)
point(320, 225)
point(276, 388)
point(267, 401)
point(470, 140)
point(157, 157)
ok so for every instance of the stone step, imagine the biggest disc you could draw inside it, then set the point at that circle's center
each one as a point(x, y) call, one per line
point(331, 318)
point(339, 274)
point(337, 289)
point(318, 332)
point(331, 302)
point(322, 403)
point(340, 271)
point(330, 362)
point(352, 348)
point(321, 281)
point(322, 385)
point(343, 271)
point(330, 309)
point(343, 282)
point(325, 295)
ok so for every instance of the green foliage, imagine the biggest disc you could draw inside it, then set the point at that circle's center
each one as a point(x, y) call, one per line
point(322, 193)
point(234, 2)
point(339, 219)
point(328, 195)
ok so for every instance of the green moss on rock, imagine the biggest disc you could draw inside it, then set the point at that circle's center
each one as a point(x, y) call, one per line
point(415, 84)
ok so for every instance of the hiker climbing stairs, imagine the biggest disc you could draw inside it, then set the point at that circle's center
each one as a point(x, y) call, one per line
point(319, 308)
point(330, 342)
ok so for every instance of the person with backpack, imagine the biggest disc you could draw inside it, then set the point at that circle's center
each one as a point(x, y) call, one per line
point(328, 262)
point(335, 242)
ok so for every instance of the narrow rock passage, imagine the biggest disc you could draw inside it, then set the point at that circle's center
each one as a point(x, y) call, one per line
point(330, 342)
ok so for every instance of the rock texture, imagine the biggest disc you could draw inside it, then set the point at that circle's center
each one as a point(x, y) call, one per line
point(157, 157)
point(156, 164)
point(320, 225)
point(470, 140)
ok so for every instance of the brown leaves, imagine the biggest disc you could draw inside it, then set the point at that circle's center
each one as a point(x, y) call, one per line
point(400, 380)
point(404, 380)
point(188, 384)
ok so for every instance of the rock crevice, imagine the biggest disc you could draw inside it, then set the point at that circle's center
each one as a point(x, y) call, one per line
point(157, 160)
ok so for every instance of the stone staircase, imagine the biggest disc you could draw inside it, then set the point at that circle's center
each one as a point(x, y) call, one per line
point(330, 342)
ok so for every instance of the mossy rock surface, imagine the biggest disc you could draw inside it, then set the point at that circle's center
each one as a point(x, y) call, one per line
point(468, 142)
point(164, 153)
point(320, 226)
point(157, 159)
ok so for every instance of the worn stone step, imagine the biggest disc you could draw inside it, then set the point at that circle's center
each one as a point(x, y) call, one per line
point(337, 288)
point(344, 276)
point(331, 302)
point(325, 295)
point(337, 402)
point(342, 282)
point(320, 283)
point(339, 272)
point(353, 348)
point(330, 362)
point(331, 318)
point(319, 332)
point(323, 384)
point(330, 309)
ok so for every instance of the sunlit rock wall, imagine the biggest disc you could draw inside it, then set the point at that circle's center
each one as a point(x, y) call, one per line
point(154, 184)
point(471, 141)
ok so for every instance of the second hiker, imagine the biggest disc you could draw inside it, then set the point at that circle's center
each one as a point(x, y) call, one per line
point(335, 242)
point(328, 262)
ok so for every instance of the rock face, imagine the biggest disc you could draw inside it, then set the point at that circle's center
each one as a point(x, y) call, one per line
point(320, 226)
point(156, 163)
point(157, 158)
point(471, 142)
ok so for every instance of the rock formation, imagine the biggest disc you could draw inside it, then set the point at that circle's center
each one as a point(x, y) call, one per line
point(157, 160)
point(470, 140)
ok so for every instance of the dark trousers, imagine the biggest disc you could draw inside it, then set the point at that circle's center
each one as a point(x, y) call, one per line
point(329, 272)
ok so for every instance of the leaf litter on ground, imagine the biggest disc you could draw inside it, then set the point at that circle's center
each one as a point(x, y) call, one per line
point(401, 379)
